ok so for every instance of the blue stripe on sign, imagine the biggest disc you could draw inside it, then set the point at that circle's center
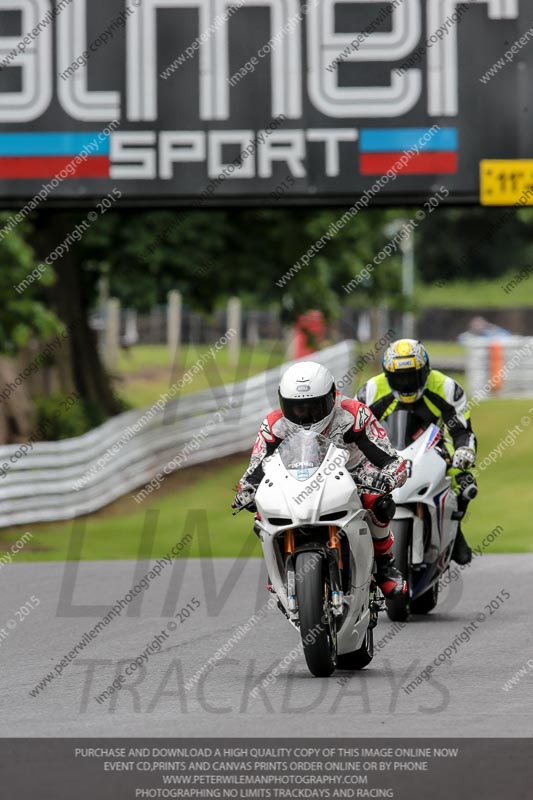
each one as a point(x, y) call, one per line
point(54, 144)
point(396, 140)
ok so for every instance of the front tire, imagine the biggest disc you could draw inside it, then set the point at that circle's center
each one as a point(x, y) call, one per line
point(398, 608)
point(358, 659)
point(317, 625)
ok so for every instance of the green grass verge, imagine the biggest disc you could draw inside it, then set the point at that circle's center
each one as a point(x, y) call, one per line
point(438, 350)
point(202, 496)
point(504, 486)
point(476, 294)
point(145, 373)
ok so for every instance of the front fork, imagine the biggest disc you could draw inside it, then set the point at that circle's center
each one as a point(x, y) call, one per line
point(335, 567)
point(292, 603)
point(334, 560)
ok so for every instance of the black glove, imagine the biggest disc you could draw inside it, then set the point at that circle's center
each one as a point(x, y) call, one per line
point(467, 484)
point(384, 508)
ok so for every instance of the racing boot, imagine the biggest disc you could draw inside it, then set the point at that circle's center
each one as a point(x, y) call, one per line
point(389, 579)
point(461, 553)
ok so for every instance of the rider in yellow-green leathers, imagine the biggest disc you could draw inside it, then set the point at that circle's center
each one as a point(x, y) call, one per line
point(408, 382)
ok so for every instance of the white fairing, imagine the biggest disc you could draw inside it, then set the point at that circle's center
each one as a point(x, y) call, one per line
point(428, 484)
point(284, 502)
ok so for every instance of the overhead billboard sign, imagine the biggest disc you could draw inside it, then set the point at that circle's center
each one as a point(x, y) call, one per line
point(213, 101)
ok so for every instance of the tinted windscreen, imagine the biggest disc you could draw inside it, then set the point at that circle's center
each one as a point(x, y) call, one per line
point(303, 453)
point(403, 427)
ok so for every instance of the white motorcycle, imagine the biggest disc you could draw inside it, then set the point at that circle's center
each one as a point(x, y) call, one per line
point(426, 518)
point(318, 551)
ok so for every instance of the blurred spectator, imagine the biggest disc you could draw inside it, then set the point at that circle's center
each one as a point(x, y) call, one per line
point(479, 326)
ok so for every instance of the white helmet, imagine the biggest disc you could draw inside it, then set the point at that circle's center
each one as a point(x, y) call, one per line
point(307, 395)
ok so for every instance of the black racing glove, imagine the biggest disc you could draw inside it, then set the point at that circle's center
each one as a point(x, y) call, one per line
point(384, 508)
point(467, 484)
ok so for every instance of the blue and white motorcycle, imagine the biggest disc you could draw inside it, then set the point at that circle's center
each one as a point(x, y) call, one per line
point(426, 519)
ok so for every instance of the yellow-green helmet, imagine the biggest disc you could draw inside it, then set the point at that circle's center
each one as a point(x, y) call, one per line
point(406, 366)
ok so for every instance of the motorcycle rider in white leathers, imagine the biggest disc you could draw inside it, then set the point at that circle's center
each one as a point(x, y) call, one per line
point(309, 400)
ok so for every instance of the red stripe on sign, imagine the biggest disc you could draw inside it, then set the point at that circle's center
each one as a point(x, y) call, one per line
point(439, 163)
point(50, 167)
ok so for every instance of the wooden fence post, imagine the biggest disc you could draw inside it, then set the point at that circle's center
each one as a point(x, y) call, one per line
point(112, 333)
point(174, 313)
point(234, 320)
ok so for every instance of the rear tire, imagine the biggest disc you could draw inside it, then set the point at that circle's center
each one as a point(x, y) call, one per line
point(317, 625)
point(358, 659)
point(398, 608)
point(427, 601)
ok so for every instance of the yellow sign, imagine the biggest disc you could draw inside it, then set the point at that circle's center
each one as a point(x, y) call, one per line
point(506, 182)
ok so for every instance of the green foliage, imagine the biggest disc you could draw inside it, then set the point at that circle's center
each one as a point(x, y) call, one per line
point(211, 255)
point(494, 241)
point(21, 314)
point(147, 255)
point(55, 417)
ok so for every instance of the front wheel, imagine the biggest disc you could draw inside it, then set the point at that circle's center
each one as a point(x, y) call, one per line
point(398, 607)
point(317, 624)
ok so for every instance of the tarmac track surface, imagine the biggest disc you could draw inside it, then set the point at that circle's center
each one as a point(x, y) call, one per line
point(462, 697)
